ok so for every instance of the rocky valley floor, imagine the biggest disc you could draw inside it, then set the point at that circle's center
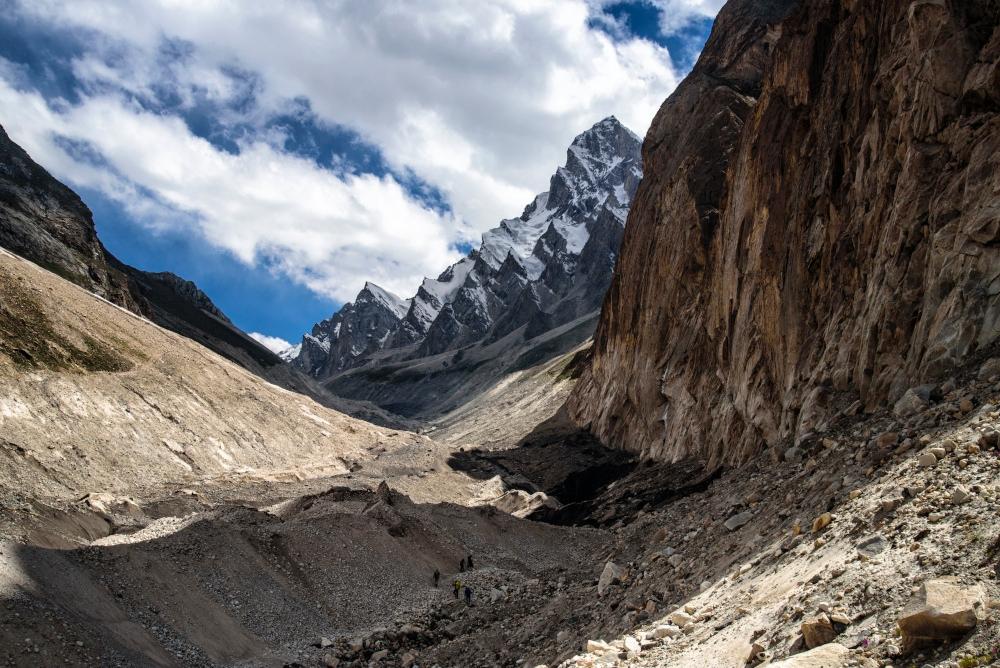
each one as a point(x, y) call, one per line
point(247, 549)
point(666, 565)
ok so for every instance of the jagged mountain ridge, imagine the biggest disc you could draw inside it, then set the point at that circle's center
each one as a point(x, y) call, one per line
point(816, 232)
point(538, 271)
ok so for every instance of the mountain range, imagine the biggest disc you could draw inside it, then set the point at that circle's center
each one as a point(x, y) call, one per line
point(530, 276)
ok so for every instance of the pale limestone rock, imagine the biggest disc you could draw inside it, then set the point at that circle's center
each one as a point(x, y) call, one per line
point(942, 609)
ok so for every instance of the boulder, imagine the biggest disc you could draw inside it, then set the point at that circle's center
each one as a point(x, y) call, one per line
point(817, 631)
point(943, 609)
point(666, 631)
point(680, 618)
point(611, 574)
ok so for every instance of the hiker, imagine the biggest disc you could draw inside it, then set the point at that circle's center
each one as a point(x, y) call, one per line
point(461, 565)
point(468, 561)
point(468, 597)
point(457, 585)
point(437, 577)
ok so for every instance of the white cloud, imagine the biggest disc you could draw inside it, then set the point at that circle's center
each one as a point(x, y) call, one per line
point(326, 231)
point(273, 343)
point(479, 99)
point(676, 14)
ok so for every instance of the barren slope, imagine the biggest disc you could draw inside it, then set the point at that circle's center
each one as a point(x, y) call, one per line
point(95, 399)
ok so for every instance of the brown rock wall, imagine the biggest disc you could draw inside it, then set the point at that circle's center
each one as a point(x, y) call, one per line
point(818, 223)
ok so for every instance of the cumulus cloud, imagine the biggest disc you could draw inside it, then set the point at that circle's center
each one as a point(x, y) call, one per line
point(676, 14)
point(477, 99)
point(324, 230)
point(273, 343)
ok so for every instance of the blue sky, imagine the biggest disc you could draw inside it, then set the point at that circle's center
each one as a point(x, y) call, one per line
point(280, 154)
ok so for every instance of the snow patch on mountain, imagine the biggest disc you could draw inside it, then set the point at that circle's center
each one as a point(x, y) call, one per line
point(496, 282)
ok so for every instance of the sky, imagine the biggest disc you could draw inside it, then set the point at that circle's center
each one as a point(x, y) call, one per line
point(280, 154)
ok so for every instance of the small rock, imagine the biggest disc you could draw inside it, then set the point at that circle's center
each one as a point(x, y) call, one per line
point(960, 495)
point(632, 645)
point(990, 369)
point(872, 546)
point(597, 647)
point(886, 438)
point(378, 656)
point(736, 521)
point(666, 631)
point(821, 522)
point(324, 643)
point(330, 661)
point(909, 404)
point(927, 459)
point(793, 455)
point(680, 618)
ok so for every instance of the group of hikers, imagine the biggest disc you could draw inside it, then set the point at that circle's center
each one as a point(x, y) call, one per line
point(457, 586)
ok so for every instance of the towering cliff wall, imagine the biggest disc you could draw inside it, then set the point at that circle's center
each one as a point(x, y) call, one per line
point(818, 225)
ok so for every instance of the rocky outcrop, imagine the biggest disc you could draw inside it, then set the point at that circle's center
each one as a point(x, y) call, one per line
point(359, 328)
point(818, 225)
point(46, 222)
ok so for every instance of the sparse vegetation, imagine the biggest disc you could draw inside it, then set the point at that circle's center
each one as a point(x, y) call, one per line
point(29, 340)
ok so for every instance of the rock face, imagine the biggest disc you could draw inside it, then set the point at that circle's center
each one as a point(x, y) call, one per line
point(817, 225)
point(46, 222)
point(359, 328)
point(530, 276)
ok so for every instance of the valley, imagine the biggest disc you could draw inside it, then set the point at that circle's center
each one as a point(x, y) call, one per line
point(728, 396)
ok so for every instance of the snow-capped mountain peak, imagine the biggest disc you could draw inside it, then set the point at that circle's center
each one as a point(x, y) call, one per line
point(540, 256)
point(385, 298)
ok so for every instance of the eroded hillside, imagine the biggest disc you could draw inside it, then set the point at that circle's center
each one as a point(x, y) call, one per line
point(95, 399)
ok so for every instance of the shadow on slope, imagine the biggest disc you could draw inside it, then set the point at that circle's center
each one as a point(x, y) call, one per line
point(244, 586)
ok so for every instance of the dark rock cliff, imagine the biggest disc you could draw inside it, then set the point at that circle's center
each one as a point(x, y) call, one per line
point(818, 225)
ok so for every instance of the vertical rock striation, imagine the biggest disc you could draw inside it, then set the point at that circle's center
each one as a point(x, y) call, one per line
point(818, 224)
